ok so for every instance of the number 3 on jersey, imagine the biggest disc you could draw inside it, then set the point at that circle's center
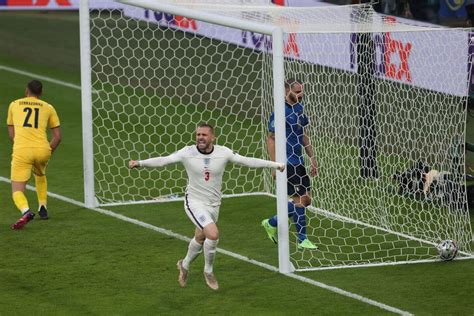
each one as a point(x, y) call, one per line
point(207, 175)
point(29, 111)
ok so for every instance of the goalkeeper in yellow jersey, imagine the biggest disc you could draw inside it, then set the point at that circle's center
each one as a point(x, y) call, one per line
point(28, 121)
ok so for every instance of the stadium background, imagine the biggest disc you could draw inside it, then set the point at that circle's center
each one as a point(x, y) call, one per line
point(84, 262)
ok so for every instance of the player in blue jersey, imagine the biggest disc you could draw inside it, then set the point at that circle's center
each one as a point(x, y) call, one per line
point(299, 184)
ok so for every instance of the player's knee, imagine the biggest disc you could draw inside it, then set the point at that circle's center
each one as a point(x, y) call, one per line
point(211, 231)
point(214, 235)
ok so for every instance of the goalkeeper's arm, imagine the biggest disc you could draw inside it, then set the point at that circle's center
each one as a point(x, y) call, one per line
point(155, 162)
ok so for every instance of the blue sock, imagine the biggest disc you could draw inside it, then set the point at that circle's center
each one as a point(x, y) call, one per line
point(299, 217)
point(291, 212)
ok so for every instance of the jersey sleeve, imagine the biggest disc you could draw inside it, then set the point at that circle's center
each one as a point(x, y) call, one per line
point(271, 123)
point(10, 116)
point(252, 162)
point(303, 119)
point(162, 161)
point(53, 120)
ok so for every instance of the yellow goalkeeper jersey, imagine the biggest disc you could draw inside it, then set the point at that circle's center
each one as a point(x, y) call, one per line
point(31, 118)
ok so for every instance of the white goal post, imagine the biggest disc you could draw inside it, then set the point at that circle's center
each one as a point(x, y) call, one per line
point(385, 101)
point(278, 92)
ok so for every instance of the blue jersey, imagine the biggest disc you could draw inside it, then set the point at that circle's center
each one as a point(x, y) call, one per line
point(296, 120)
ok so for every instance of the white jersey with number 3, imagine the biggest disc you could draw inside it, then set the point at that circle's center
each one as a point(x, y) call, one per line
point(205, 171)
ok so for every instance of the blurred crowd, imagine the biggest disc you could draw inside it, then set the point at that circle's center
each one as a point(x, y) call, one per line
point(457, 13)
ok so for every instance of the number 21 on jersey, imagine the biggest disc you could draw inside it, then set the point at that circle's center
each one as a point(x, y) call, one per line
point(28, 120)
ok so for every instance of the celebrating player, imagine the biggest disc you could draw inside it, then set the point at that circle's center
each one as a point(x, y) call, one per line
point(28, 120)
point(205, 164)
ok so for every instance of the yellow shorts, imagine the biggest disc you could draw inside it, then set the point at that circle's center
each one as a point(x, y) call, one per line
point(25, 160)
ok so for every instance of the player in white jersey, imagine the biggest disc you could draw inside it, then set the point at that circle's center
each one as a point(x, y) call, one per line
point(205, 164)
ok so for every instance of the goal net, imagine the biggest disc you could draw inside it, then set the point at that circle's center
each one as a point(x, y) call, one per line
point(385, 100)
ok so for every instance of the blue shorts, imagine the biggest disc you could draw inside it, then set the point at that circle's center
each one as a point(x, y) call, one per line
point(298, 180)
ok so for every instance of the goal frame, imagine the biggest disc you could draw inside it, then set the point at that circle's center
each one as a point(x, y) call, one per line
point(277, 53)
point(278, 100)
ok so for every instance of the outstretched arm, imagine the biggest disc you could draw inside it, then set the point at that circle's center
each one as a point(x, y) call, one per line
point(155, 162)
point(256, 162)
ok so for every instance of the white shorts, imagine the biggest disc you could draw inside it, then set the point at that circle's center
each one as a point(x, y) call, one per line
point(200, 214)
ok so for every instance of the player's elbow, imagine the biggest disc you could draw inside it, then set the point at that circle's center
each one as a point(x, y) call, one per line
point(56, 135)
point(271, 138)
point(57, 140)
point(305, 141)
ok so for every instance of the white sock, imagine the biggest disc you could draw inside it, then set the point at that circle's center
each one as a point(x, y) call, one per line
point(194, 249)
point(210, 247)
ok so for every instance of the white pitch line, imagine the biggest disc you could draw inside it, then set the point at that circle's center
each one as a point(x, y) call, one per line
point(44, 78)
point(226, 252)
point(184, 238)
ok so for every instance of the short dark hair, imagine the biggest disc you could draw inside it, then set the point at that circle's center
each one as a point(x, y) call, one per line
point(35, 87)
point(206, 125)
point(291, 81)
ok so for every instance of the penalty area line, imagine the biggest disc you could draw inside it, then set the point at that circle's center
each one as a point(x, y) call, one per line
point(234, 255)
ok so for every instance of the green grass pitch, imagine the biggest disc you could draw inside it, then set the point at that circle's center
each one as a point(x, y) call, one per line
point(82, 262)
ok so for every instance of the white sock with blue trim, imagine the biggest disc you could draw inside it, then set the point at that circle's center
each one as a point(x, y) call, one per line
point(194, 249)
point(210, 247)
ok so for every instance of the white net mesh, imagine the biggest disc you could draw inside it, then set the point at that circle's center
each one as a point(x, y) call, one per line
point(385, 101)
point(153, 86)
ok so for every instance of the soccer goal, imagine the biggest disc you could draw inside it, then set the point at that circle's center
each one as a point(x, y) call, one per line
point(386, 101)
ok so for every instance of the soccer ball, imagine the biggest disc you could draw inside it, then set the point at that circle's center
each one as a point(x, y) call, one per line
point(447, 250)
